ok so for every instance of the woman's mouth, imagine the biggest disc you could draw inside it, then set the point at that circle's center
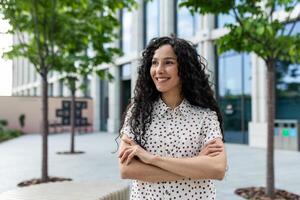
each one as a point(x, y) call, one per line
point(162, 79)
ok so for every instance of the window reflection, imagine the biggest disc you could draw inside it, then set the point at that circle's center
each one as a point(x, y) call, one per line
point(234, 81)
point(152, 19)
point(288, 85)
point(126, 31)
point(234, 74)
point(187, 24)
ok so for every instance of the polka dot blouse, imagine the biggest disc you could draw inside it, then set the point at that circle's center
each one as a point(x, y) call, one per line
point(177, 133)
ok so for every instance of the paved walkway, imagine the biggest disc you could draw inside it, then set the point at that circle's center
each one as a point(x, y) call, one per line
point(20, 159)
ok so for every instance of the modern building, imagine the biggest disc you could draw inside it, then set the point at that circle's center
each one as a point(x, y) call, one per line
point(240, 79)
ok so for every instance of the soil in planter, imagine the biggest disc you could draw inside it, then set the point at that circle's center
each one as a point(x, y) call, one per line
point(258, 193)
point(36, 181)
point(69, 152)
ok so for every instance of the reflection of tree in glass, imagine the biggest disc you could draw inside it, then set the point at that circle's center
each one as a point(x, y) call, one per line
point(287, 79)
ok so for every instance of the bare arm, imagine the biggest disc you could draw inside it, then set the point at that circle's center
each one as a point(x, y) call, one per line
point(144, 172)
point(199, 167)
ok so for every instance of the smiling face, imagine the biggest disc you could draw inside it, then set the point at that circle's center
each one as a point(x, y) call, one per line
point(164, 70)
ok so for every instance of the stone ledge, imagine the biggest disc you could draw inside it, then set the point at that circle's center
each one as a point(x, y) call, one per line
point(70, 191)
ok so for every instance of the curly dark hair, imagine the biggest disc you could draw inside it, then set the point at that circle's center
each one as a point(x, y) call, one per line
point(195, 85)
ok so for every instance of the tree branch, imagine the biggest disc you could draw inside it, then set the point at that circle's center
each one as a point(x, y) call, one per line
point(53, 6)
point(242, 25)
point(37, 35)
point(293, 26)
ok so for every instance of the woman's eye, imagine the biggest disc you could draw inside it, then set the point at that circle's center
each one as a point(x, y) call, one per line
point(154, 62)
point(169, 62)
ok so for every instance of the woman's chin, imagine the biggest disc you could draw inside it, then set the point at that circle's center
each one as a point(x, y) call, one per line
point(161, 89)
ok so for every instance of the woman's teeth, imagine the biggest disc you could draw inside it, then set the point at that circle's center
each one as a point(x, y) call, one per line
point(162, 79)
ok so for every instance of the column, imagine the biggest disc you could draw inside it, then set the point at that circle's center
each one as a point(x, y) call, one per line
point(258, 126)
point(95, 94)
point(137, 42)
point(167, 17)
point(208, 49)
point(114, 101)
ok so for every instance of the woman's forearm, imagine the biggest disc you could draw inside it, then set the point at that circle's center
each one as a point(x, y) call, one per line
point(200, 167)
point(138, 170)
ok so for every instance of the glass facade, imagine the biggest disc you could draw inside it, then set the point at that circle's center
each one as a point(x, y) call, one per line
point(103, 104)
point(152, 20)
point(187, 24)
point(125, 74)
point(225, 18)
point(126, 39)
point(288, 85)
point(234, 83)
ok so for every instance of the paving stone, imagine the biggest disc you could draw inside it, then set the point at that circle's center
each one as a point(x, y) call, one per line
point(20, 159)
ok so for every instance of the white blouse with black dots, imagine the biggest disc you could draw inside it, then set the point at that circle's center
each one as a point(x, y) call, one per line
point(177, 133)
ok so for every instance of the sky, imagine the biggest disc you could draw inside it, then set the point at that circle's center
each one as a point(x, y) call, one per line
point(5, 65)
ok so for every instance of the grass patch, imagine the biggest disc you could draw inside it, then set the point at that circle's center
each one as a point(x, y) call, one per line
point(9, 134)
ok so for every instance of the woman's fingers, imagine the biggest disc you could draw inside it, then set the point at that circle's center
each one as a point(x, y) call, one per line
point(124, 153)
point(130, 156)
point(126, 140)
point(214, 154)
point(213, 150)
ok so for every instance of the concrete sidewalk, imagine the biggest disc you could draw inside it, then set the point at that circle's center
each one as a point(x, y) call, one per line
point(21, 160)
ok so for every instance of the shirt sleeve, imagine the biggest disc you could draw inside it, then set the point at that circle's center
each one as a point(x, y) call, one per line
point(210, 127)
point(126, 128)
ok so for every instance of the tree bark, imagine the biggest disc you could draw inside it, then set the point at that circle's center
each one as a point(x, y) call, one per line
point(45, 128)
point(271, 115)
point(73, 121)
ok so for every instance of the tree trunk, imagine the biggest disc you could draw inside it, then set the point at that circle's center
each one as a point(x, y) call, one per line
point(72, 120)
point(45, 128)
point(271, 115)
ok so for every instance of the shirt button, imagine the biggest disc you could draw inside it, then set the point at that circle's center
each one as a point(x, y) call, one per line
point(167, 192)
point(168, 152)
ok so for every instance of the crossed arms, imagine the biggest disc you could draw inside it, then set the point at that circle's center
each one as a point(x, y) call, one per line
point(209, 164)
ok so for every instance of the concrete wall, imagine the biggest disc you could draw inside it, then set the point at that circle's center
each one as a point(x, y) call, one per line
point(12, 107)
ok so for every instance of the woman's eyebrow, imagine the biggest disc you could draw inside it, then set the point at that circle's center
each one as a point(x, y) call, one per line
point(166, 58)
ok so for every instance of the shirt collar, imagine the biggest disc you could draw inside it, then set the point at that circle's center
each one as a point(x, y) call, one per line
point(161, 108)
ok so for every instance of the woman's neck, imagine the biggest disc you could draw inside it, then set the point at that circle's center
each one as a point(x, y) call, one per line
point(172, 100)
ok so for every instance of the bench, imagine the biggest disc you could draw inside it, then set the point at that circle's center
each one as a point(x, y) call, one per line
point(70, 191)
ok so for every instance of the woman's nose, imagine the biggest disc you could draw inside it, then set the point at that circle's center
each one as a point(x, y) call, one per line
point(160, 68)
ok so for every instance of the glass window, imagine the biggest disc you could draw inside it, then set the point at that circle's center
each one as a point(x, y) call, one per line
point(87, 91)
point(292, 3)
point(152, 20)
point(50, 89)
point(104, 106)
point(234, 81)
point(61, 88)
point(34, 91)
point(223, 19)
point(187, 24)
point(288, 85)
point(234, 74)
point(126, 31)
point(126, 71)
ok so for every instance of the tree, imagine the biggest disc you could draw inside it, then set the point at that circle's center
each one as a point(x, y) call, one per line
point(48, 31)
point(257, 30)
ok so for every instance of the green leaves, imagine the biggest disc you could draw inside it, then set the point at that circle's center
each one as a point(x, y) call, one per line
point(71, 37)
point(212, 6)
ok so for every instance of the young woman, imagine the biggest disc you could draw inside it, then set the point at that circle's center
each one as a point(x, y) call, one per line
point(172, 139)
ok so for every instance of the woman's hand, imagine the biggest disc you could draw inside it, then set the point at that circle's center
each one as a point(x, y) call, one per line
point(128, 153)
point(212, 149)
